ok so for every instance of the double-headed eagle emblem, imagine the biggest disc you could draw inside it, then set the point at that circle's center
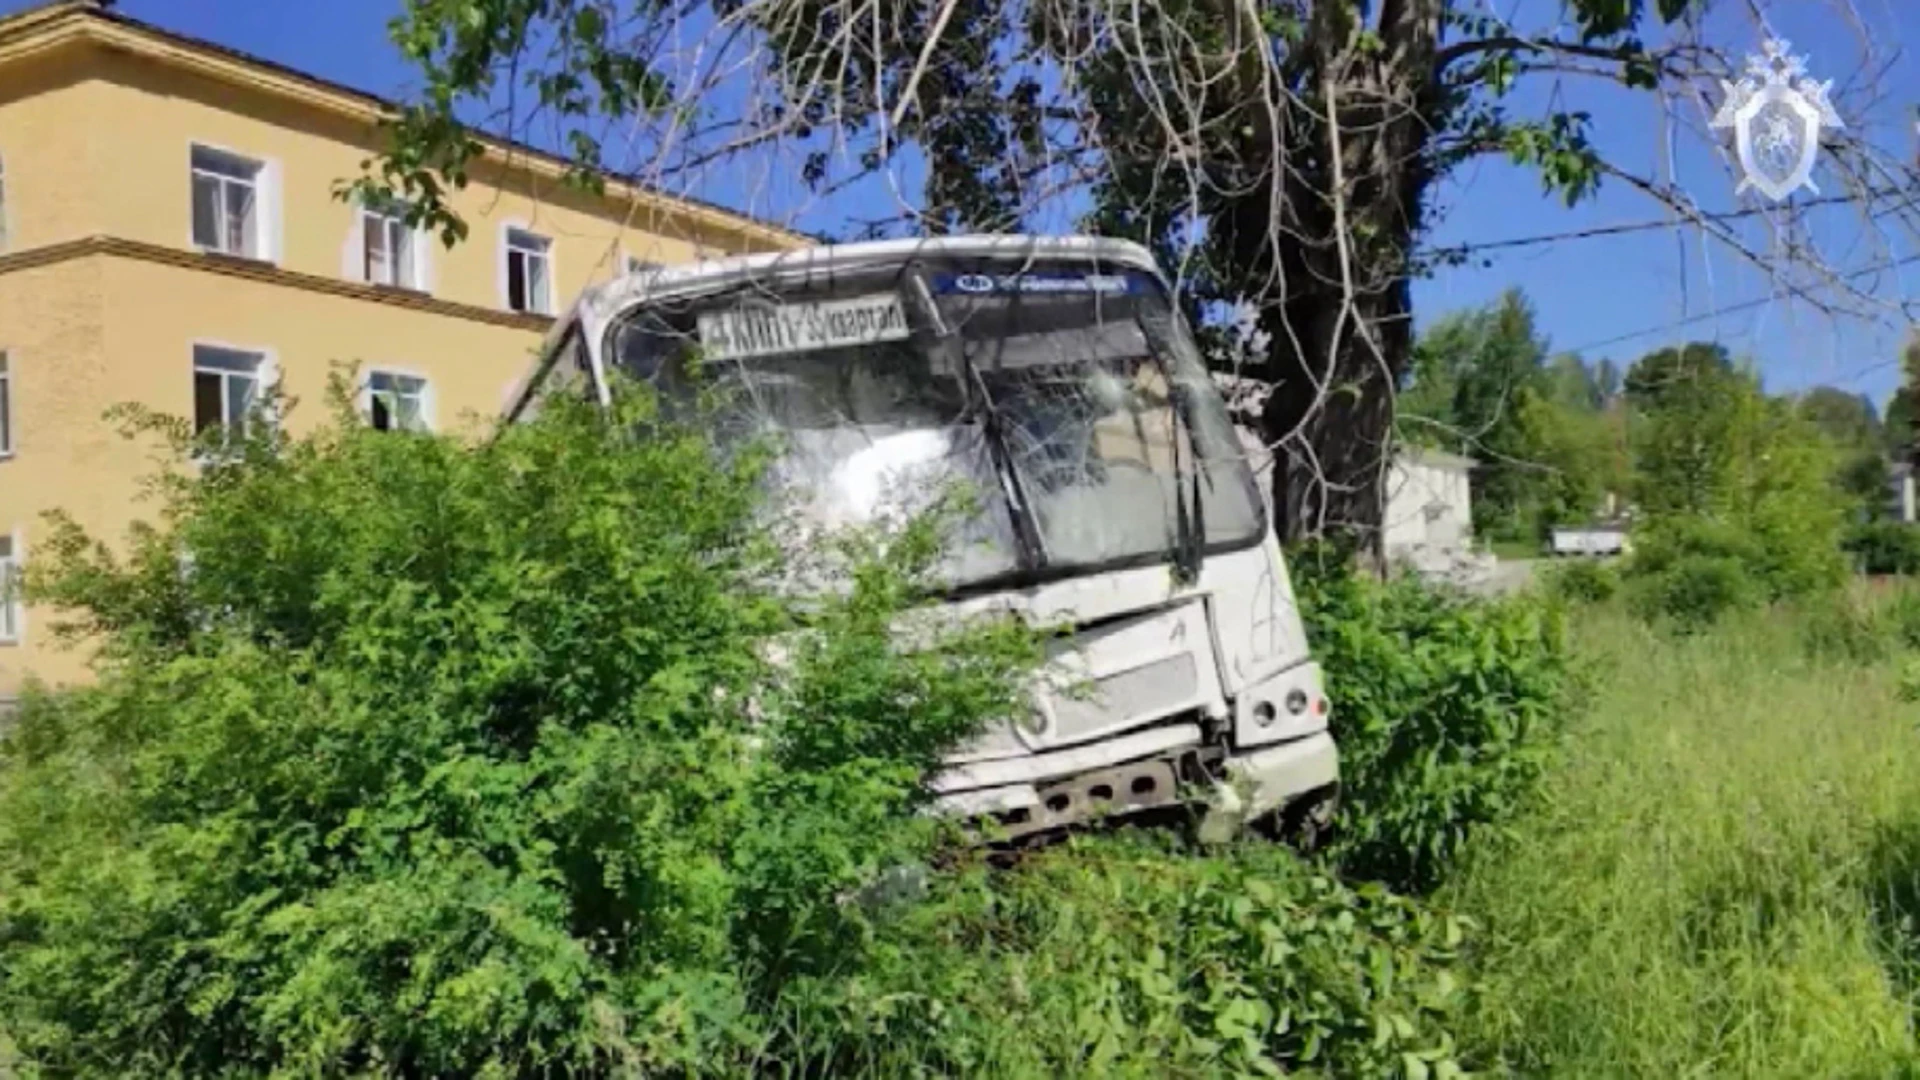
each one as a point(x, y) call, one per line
point(1777, 113)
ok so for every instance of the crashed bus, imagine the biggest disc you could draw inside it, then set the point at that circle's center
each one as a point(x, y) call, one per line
point(1056, 379)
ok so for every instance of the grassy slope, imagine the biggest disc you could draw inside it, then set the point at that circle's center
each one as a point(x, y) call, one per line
point(1715, 885)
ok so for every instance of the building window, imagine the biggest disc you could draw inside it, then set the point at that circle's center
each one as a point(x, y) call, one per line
point(226, 203)
point(637, 265)
point(11, 607)
point(6, 408)
point(529, 272)
point(226, 389)
point(396, 402)
point(390, 255)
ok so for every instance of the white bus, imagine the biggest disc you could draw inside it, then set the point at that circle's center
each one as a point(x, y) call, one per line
point(1054, 376)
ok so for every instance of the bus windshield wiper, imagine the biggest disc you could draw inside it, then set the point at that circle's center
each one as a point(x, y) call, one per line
point(1026, 531)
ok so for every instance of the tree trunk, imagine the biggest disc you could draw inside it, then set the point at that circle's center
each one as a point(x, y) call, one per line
point(1340, 334)
point(1330, 416)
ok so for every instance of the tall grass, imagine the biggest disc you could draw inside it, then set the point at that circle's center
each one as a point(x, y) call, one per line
point(1721, 880)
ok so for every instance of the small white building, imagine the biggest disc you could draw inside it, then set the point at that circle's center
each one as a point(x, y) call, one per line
point(1429, 503)
point(1427, 523)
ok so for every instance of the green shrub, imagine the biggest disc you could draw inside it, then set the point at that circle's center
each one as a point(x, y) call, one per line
point(1902, 614)
point(1737, 494)
point(1690, 571)
point(1124, 957)
point(1908, 687)
point(1845, 628)
point(1445, 708)
point(438, 760)
point(1885, 547)
point(1582, 581)
point(1693, 592)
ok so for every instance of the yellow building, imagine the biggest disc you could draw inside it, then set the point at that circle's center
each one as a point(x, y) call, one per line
point(169, 235)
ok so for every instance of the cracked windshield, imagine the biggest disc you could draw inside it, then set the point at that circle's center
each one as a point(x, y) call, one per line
point(1066, 404)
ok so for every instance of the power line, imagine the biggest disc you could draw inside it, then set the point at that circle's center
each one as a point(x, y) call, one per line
point(1649, 225)
point(1729, 309)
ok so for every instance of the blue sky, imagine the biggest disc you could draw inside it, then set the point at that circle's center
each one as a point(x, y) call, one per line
point(1616, 296)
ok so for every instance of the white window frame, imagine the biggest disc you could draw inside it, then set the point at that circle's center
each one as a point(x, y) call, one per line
point(427, 420)
point(391, 220)
point(266, 375)
point(266, 200)
point(545, 304)
point(13, 612)
point(6, 405)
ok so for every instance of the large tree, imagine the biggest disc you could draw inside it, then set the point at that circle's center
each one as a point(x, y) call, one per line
point(1280, 155)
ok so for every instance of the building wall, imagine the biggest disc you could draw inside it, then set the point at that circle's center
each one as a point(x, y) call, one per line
point(160, 113)
point(64, 456)
point(103, 296)
point(1413, 482)
point(53, 183)
point(1414, 485)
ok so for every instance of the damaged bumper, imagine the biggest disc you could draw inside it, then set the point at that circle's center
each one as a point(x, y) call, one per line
point(1269, 780)
point(1159, 768)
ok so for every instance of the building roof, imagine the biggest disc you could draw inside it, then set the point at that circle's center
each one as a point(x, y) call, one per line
point(62, 23)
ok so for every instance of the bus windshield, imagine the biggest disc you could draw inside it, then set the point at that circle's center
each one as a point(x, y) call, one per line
point(1070, 403)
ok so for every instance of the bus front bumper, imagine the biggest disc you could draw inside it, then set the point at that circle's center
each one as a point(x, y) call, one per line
point(1267, 780)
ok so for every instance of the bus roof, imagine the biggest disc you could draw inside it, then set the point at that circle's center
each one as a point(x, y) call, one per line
point(599, 303)
point(604, 298)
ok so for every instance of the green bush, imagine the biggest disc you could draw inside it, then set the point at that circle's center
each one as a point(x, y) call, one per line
point(1885, 547)
point(1908, 686)
point(1582, 581)
point(1692, 592)
point(440, 760)
point(1129, 957)
point(1845, 628)
point(1689, 571)
point(1737, 494)
point(1445, 708)
point(1902, 615)
point(437, 760)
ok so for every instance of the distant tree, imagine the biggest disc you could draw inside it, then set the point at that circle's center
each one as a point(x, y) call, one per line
point(1482, 385)
point(1718, 460)
point(1475, 374)
point(1674, 374)
point(1606, 379)
point(1852, 425)
point(1576, 453)
point(1864, 478)
point(1850, 420)
point(1573, 384)
point(1424, 412)
point(1902, 424)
